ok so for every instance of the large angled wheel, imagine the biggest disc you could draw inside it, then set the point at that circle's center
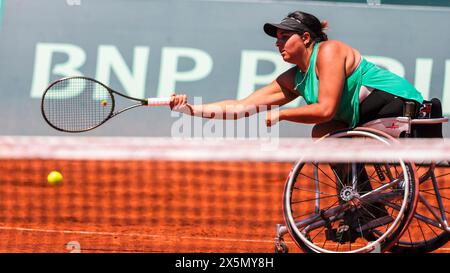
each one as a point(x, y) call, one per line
point(428, 230)
point(350, 206)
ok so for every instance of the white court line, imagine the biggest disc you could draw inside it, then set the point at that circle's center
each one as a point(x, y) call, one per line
point(144, 235)
point(130, 234)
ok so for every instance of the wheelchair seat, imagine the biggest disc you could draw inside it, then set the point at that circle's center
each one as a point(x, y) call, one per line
point(426, 122)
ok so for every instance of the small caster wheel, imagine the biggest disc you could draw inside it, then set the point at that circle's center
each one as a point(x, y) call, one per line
point(281, 247)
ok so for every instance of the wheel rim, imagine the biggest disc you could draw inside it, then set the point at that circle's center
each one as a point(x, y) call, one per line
point(425, 232)
point(300, 232)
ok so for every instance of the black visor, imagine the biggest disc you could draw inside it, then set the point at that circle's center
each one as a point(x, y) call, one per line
point(287, 23)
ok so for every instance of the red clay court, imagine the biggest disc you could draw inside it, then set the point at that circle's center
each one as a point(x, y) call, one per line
point(143, 206)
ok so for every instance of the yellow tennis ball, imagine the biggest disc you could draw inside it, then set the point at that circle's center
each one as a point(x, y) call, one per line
point(54, 178)
point(104, 102)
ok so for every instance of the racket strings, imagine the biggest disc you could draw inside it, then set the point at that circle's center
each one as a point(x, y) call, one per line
point(77, 104)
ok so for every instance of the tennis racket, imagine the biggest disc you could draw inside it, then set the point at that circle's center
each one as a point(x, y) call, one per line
point(79, 104)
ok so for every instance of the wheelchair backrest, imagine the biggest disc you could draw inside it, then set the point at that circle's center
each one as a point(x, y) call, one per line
point(428, 130)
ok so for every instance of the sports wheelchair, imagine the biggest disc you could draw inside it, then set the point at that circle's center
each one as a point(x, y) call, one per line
point(357, 207)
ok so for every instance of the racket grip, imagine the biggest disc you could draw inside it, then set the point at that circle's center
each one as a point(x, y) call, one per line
point(158, 101)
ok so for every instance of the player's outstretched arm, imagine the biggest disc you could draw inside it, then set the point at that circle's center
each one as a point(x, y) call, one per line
point(270, 96)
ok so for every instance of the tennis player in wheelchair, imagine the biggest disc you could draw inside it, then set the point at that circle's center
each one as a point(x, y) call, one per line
point(341, 88)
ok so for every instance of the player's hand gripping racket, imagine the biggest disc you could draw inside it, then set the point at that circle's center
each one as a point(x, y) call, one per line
point(79, 104)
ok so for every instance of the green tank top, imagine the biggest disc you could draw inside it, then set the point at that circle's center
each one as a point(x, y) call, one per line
point(367, 74)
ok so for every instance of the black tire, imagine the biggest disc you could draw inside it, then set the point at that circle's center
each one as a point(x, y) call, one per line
point(422, 237)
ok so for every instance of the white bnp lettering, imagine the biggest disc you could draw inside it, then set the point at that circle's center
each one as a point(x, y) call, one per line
point(446, 94)
point(169, 74)
point(133, 77)
point(249, 78)
point(390, 64)
point(76, 58)
point(133, 82)
point(422, 79)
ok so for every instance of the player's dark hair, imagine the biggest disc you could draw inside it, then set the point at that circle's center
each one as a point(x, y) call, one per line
point(312, 25)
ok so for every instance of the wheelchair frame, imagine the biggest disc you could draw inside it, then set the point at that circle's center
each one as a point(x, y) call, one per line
point(394, 127)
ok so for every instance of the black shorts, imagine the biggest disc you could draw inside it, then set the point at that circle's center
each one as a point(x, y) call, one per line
point(381, 104)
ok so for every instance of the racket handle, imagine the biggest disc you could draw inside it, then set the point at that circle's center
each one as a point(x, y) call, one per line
point(158, 101)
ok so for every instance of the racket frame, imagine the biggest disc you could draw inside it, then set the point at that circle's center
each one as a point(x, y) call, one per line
point(142, 102)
